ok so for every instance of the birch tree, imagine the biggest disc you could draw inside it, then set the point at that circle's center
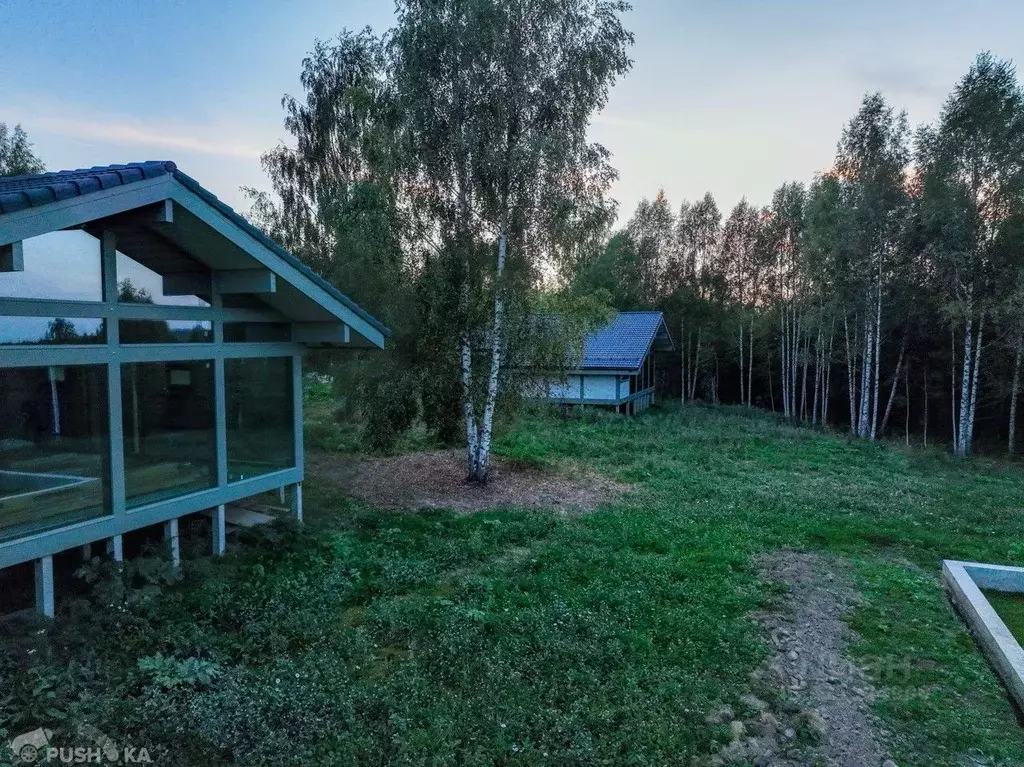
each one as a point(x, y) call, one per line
point(495, 98)
point(973, 165)
point(871, 161)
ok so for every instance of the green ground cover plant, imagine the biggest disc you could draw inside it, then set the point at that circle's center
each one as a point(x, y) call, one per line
point(507, 636)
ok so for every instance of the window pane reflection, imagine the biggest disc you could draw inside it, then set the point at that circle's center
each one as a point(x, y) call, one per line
point(168, 416)
point(54, 447)
point(165, 331)
point(52, 330)
point(259, 416)
point(61, 266)
point(139, 283)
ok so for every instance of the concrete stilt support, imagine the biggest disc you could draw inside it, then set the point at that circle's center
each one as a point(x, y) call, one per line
point(219, 531)
point(173, 541)
point(115, 547)
point(44, 586)
point(282, 494)
point(295, 500)
point(86, 552)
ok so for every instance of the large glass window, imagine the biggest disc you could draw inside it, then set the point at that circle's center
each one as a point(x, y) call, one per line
point(165, 331)
point(143, 283)
point(61, 266)
point(257, 332)
point(260, 416)
point(168, 421)
point(52, 330)
point(54, 447)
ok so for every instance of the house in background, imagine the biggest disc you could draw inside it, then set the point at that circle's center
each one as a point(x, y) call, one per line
point(617, 368)
point(151, 345)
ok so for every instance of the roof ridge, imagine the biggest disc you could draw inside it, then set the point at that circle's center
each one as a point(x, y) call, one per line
point(33, 190)
point(168, 165)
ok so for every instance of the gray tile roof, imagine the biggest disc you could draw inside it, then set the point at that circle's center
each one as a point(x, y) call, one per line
point(31, 191)
point(623, 343)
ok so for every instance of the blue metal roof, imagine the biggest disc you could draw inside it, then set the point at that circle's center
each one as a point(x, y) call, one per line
point(623, 343)
point(35, 190)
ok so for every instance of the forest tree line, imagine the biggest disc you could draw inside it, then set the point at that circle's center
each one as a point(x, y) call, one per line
point(441, 174)
point(885, 296)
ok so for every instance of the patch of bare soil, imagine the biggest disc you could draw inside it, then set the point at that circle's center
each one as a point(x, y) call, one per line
point(818, 712)
point(437, 479)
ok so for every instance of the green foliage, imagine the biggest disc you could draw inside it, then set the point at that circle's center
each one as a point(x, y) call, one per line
point(169, 673)
point(16, 155)
point(371, 637)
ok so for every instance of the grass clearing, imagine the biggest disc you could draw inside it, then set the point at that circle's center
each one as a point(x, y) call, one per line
point(536, 638)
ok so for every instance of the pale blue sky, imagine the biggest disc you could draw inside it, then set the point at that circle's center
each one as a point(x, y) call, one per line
point(734, 96)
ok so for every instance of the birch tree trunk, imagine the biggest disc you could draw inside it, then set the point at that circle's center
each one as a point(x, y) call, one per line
point(742, 392)
point(965, 385)
point(877, 366)
point(906, 395)
point(895, 381)
point(865, 382)
point(851, 377)
point(974, 384)
point(1011, 444)
point(828, 372)
point(784, 364)
point(483, 462)
point(696, 365)
point(750, 365)
point(683, 354)
point(952, 393)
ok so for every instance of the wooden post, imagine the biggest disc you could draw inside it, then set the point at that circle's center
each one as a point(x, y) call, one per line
point(219, 539)
point(44, 586)
point(86, 550)
point(173, 541)
point(115, 547)
point(295, 500)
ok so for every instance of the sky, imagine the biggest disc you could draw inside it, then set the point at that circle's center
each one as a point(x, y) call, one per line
point(728, 96)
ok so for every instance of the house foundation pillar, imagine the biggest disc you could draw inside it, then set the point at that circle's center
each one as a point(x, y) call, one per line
point(115, 547)
point(295, 500)
point(173, 541)
point(219, 531)
point(44, 586)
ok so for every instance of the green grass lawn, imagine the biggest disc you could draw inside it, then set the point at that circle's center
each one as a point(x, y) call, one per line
point(1009, 607)
point(534, 638)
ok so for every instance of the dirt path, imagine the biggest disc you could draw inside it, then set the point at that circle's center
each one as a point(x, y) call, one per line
point(808, 704)
point(437, 480)
point(810, 638)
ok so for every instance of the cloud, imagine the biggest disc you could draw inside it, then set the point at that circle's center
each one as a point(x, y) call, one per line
point(900, 80)
point(121, 130)
point(80, 123)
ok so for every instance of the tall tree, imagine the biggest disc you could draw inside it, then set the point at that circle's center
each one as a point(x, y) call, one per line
point(973, 165)
point(495, 99)
point(871, 162)
point(16, 155)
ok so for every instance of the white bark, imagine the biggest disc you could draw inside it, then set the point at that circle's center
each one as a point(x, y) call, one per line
point(974, 384)
point(961, 447)
point(483, 462)
point(1011, 444)
point(851, 377)
point(895, 380)
point(750, 365)
point(877, 366)
point(743, 394)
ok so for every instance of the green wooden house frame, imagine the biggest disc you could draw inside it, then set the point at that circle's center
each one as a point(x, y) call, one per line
point(151, 345)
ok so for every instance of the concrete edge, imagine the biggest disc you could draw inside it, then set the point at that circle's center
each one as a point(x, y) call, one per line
point(997, 643)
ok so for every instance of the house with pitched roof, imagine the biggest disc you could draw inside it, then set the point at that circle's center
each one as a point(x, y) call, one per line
point(617, 367)
point(151, 347)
